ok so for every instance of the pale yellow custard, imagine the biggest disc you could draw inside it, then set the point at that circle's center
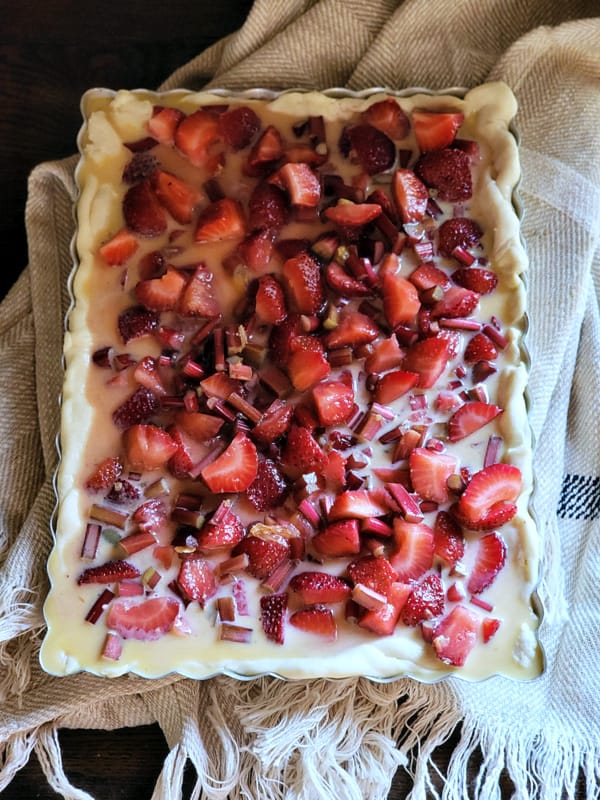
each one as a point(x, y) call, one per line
point(209, 277)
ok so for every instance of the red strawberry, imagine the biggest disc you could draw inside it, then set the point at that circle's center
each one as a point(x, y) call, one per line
point(120, 248)
point(109, 573)
point(383, 621)
point(379, 197)
point(428, 358)
point(477, 279)
point(448, 171)
point(334, 471)
point(264, 554)
point(301, 453)
point(307, 367)
point(147, 447)
point(257, 249)
point(410, 195)
point(359, 504)
point(353, 329)
point(235, 469)
point(387, 116)
point(319, 587)
point(393, 385)
point(152, 265)
point(374, 150)
point(427, 276)
point(239, 126)
point(429, 473)
point(198, 297)
point(355, 215)
point(269, 488)
point(448, 541)
point(425, 601)
point(341, 538)
point(137, 408)
point(270, 301)
point(105, 474)
point(302, 184)
point(458, 232)
point(267, 207)
point(161, 294)
point(317, 619)
point(385, 355)
point(136, 321)
point(413, 554)
point(195, 134)
point(488, 491)
point(163, 123)
point(188, 455)
point(455, 636)
point(196, 579)
point(200, 427)
point(141, 166)
point(434, 130)
point(456, 302)
point(146, 374)
point(470, 418)
point(145, 620)
point(123, 492)
point(221, 221)
point(480, 348)
point(400, 300)
point(267, 150)
point(489, 626)
point(273, 423)
point(304, 284)
point(219, 385)
point(143, 213)
point(177, 196)
point(490, 558)
point(150, 516)
point(272, 616)
point(497, 516)
point(374, 572)
point(338, 279)
point(334, 402)
point(282, 337)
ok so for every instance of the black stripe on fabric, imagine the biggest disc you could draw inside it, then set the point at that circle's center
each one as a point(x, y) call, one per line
point(579, 497)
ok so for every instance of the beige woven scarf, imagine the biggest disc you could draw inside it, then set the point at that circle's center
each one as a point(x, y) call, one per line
point(326, 739)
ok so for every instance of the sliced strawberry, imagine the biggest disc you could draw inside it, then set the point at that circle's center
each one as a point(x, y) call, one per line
point(219, 385)
point(239, 126)
point(163, 123)
point(272, 616)
point(195, 134)
point(480, 348)
point(147, 447)
point(267, 207)
point(221, 221)
point(188, 455)
point(427, 357)
point(393, 385)
point(426, 601)
point(341, 538)
point(456, 302)
point(177, 196)
point(497, 516)
point(429, 473)
point(344, 284)
point(413, 553)
point(123, 492)
point(385, 355)
point(448, 540)
point(383, 621)
point(267, 150)
point(161, 294)
point(455, 636)
point(489, 627)
point(400, 300)
point(359, 504)
point(490, 558)
point(105, 474)
point(151, 516)
point(136, 321)
point(196, 579)
point(334, 471)
point(141, 166)
point(410, 195)
point(354, 215)
point(489, 491)
point(448, 171)
point(428, 276)
point(235, 469)
point(302, 184)
point(200, 427)
point(151, 265)
point(146, 374)
point(142, 211)
point(477, 279)
point(120, 248)
point(269, 488)
point(304, 284)
point(374, 572)
point(458, 232)
point(387, 116)
point(471, 417)
point(110, 572)
point(434, 130)
point(256, 250)
point(270, 304)
point(307, 367)
point(137, 408)
point(353, 329)
point(222, 532)
point(301, 453)
point(374, 150)
point(334, 402)
point(319, 587)
point(282, 336)
point(273, 424)
point(198, 297)
point(146, 620)
point(317, 619)
point(264, 554)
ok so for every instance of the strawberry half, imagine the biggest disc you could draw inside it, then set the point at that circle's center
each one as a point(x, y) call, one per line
point(413, 553)
point(177, 196)
point(272, 616)
point(269, 488)
point(146, 620)
point(448, 171)
point(401, 301)
point(264, 554)
point(429, 473)
point(458, 232)
point(198, 426)
point(374, 572)
point(302, 184)
point(142, 211)
point(448, 540)
point(476, 279)
point(161, 294)
point(139, 407)
point(267, 150)
point(455, 636)
point(340, 538)
point(359, 504)
point(470, 418)
point(353, 329)
point(480, 348)
point(490, 558)
point(388, 116)
point(136, 321)
point(195, 134)
point(456, 302)
point(105, 474)
point(196, 579)
point(109, 573)
point(393, 385)
point(239, 126)
point(221, 533)
point(301, 453)
point(304, 284)
point(198, 297)
point(374, 150)
point(267, 207)
point(120, 248)
point(434, 130)
point(274, 423)
point(221, 221)
point(385, 355)
point(270, 304)
point(235, 469)
point(147, 447)
point(319, 587)
point(334, 402)
point(410, 195)
point(355, 215)
point(490, 491)
point(317, 619)
point(427, 357)
point(426, 601)
point(307, 366)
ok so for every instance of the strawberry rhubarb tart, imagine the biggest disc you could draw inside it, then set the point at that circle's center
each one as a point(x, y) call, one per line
point(294, 427)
